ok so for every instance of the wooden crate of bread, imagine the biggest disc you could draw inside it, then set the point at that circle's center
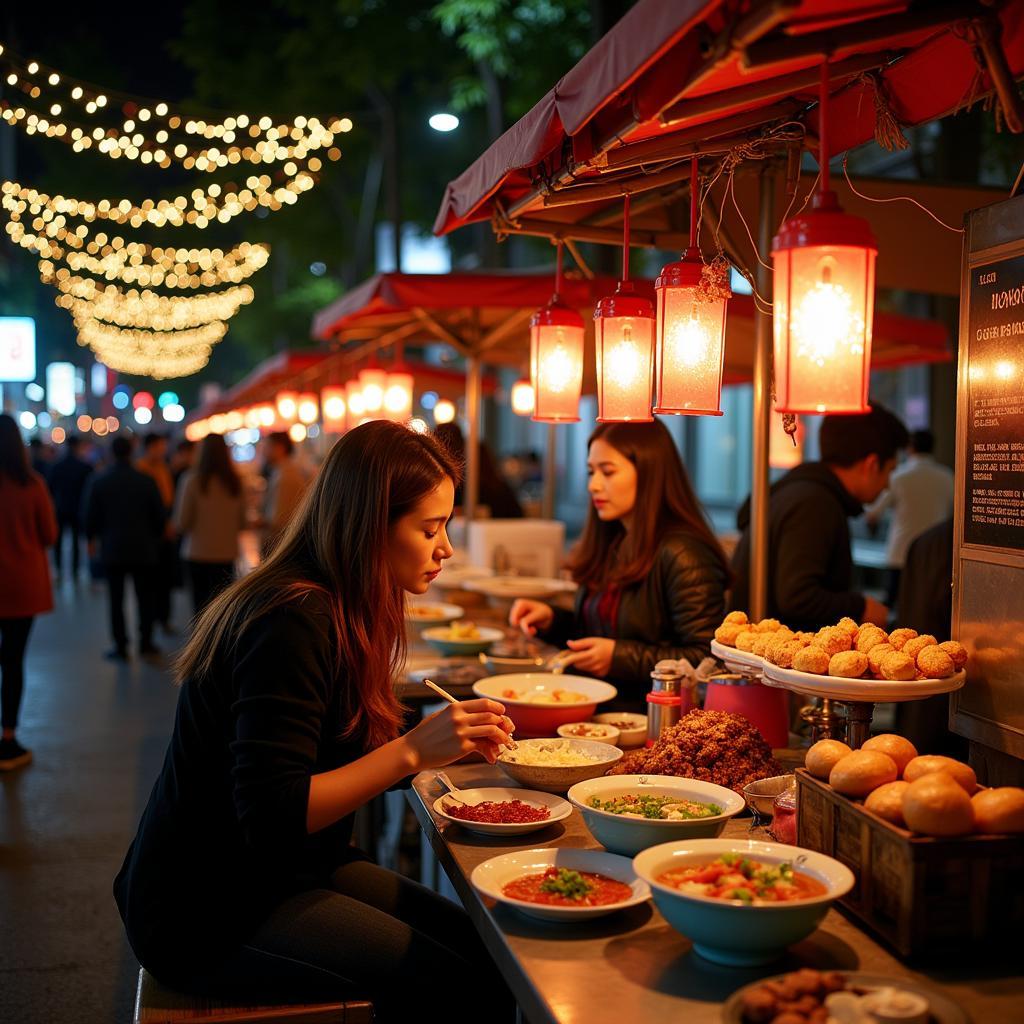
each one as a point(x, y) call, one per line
point(928, 898)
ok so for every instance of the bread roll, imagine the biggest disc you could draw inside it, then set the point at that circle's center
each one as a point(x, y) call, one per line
point(998, 810)
point(821, 758)
point(859, 773)
point(887, 802)
point(926, 764)
point(936, 805)
point(901, 750)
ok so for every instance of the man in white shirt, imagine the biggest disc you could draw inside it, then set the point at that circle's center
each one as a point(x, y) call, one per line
point(920, 495)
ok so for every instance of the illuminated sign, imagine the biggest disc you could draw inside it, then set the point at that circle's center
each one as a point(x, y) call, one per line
point(17, 348)
point(60, 388)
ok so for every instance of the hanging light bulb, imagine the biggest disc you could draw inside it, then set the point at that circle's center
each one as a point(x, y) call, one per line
point(824, 301)
point(287, 405)
point(307, 408)
point(374, 383)
point(690, 348)
point(522, 398)
point(333, 407)
point(556, 358)
point(356, 403)
point(624, 325)
point(398, 396)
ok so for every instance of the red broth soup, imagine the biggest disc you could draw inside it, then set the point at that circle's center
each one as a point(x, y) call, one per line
point(562, 887)
point(735, 877)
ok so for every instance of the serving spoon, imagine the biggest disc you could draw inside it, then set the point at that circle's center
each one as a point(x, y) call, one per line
point(453, 791)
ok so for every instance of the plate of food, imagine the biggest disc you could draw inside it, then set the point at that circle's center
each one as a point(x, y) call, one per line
point(841, 996)
point(742, 662)
point(553, 765)
point(539, 702)
point(502, 811)
point(461, 638)
point(431, 613)
point(509, 588)
point(455, 577)
point(561, 884)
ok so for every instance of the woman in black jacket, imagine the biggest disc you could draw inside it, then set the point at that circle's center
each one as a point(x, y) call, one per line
point(652, 577)
point(242, 876)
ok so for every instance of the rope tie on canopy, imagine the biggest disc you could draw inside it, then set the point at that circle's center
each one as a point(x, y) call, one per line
point(888, 127)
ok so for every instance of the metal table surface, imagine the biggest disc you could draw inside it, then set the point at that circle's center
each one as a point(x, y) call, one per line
point(632, 966)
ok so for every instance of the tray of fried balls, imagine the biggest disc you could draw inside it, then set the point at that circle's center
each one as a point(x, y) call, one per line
point(928, 794)
point(741, 644)
point(863, 662)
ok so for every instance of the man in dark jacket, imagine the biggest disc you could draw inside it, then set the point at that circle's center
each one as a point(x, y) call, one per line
point(125, 513)
point(810, 567)
point(67, 485)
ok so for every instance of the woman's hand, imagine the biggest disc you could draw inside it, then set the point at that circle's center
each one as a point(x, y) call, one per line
point(592, 654)
point(457, 730)
point(531, 616)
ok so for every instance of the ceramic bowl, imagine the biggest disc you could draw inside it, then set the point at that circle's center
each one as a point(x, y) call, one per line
point(599, 732)
point(732, 932)
point(628, 835)
point(552, 778)
point(440, 638)
point(499, 665)
point(493, 875)
point(431, 613)
point(632, 727)
point(520, 693)
point(761, 795)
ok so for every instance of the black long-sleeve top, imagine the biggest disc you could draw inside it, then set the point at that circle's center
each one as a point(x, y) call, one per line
point(223, 838)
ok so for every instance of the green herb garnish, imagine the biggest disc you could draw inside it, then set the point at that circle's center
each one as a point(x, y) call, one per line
point(570, 884)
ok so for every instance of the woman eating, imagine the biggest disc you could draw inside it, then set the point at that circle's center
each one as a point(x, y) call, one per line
point(241, 878)
point(652, 577)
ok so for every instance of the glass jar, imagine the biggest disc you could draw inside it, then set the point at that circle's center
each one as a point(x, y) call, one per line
point(783, 828)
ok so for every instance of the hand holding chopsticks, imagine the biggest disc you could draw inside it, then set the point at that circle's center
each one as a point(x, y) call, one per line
point(509, 725)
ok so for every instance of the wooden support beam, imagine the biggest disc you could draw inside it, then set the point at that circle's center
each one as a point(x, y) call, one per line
point(438, 329)
point(503, 330)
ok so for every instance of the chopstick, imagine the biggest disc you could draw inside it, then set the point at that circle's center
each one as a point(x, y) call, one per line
point(430, 684)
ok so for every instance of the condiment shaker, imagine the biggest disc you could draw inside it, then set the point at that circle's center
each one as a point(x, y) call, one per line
point(665, 701)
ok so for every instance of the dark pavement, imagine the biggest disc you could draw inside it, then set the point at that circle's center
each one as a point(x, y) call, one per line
point(98, 731)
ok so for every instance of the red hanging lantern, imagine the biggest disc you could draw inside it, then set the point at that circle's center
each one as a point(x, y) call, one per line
point(556, 358)
point(374, 383)
point(355, 402)
point(824, 301)
point(287, 404)
point(690, 349)
point(398, 396)
point(307, 408)
point(624, 326)
point(333, 406)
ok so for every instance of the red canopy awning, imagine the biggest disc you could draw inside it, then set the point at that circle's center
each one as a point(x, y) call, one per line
point(674, 73)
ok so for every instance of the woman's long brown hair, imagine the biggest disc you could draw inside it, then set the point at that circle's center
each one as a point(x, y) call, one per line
point(608, 556)
point(335, 545)
point(214, 463)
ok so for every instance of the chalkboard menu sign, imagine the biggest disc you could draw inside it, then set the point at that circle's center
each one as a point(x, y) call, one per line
point(994, 455)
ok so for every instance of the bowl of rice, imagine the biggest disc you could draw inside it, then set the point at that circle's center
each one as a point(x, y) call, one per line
point(553, 765)
point(539, 702)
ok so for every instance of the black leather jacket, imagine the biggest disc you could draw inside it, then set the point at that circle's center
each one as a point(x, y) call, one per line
point(673, 613)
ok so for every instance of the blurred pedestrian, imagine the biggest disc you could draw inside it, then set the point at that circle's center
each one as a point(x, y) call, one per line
point(125, 513)
point(154, 464)
point(209, 514)
point(67, 485)
point(40, 458)
point(286, 484)
point(920, 495)
point(494, 490)
point(182, 460)
point(28, 527)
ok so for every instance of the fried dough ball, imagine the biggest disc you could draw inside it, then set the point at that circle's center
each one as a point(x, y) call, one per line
point(898, 665)
point(912, 648)
point(875, 656)
point(869, 636)
point(851, 664)
point(761, 643)
point(745, 641)
point(726, 633)
point(898, 637)
point(736, 618)
point(847, 625)
point(832, 640)
point(811, 659)
point(935, 663)
point(956, 651)
point(784, 653)
point(768, 626)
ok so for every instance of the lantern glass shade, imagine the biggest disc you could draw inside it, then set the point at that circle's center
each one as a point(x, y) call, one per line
point(624, 339)
point(823, 311)
point(556, 364)
point(444, 411)
point(522, 398)
point(307, 408)
point(398, 397)
point(287, 403)
point(334, 407)
point(690, 347)
point(355, 401)
point(374, 383)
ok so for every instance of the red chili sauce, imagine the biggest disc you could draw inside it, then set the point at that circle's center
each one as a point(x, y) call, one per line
point(561, 887)
point(502, 812)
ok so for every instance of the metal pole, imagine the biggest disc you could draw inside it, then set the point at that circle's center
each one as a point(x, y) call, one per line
point(471, 488)
point(547, 503)
point(762, 408)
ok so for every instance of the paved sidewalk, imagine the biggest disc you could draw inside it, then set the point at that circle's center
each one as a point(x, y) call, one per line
point(98, 731)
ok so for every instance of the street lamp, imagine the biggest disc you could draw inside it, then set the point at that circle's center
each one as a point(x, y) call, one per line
point(443, 122)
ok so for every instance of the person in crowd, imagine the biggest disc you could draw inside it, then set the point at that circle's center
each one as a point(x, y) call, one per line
point(494, 490)
point(242, 875)
point(125, 513)
point(182, 460)
point(209, 514)
point(68, 478)
point(919, 495)
point(40, 458)
point(286, 484)
point(810, 565)
point(154, 464)
point(652, 576)
point(28, 527)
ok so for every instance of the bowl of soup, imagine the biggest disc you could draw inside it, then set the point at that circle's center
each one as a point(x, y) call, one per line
point(742, 902)
point(629, 813)
point(539, 702)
